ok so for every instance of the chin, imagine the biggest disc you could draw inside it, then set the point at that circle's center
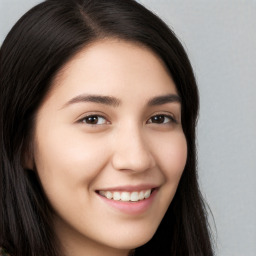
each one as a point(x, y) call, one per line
point(131, 240)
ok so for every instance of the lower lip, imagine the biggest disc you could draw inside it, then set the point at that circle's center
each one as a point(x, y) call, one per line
point(132, 208)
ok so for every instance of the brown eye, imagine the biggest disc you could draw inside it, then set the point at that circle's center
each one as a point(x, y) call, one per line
point(158, 119)
point(161, 119)
point(94, 120)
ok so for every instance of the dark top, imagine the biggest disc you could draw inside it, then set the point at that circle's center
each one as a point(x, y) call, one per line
point(3, 252)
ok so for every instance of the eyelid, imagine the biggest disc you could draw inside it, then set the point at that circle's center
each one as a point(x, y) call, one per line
point(168, 115)
point(91, 114)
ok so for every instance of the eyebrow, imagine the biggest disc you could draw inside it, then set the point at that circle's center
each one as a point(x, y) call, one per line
point(161, 100)
point(106, 100)
point(114, 102)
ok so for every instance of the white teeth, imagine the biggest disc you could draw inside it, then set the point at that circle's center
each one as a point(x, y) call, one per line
point(125, 196)
point(134, 196)
point(109, 195)
point(116, 196)
point(147, 194)
point(141, 195)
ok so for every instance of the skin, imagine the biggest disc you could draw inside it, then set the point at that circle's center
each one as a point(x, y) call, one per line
point(124, 146)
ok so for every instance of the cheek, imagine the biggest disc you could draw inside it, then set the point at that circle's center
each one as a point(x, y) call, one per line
point(172, 155)
point(67, 165)
point(68, 161)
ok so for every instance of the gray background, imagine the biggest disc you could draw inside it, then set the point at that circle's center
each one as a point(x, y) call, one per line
point(220, 38)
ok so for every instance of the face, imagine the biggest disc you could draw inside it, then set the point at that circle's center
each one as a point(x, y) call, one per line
point(109, 147)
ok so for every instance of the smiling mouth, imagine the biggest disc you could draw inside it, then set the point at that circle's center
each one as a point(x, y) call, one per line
point(125, 196)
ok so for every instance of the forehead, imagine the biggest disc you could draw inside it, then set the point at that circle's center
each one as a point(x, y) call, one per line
point(115, 66)
point(103, 49)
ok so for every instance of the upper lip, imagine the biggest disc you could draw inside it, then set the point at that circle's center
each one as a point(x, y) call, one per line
point(130, 188)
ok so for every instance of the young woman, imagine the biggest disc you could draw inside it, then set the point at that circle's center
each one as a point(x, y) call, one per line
point(98, 113)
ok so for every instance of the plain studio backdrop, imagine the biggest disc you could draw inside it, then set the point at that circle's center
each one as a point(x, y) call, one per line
point(220, 38)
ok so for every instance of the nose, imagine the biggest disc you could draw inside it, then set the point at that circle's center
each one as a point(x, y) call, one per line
point(132, 151)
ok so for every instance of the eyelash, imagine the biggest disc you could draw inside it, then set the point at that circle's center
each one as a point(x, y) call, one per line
point(83, 120)
point(100, 117)
point(170, 117)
